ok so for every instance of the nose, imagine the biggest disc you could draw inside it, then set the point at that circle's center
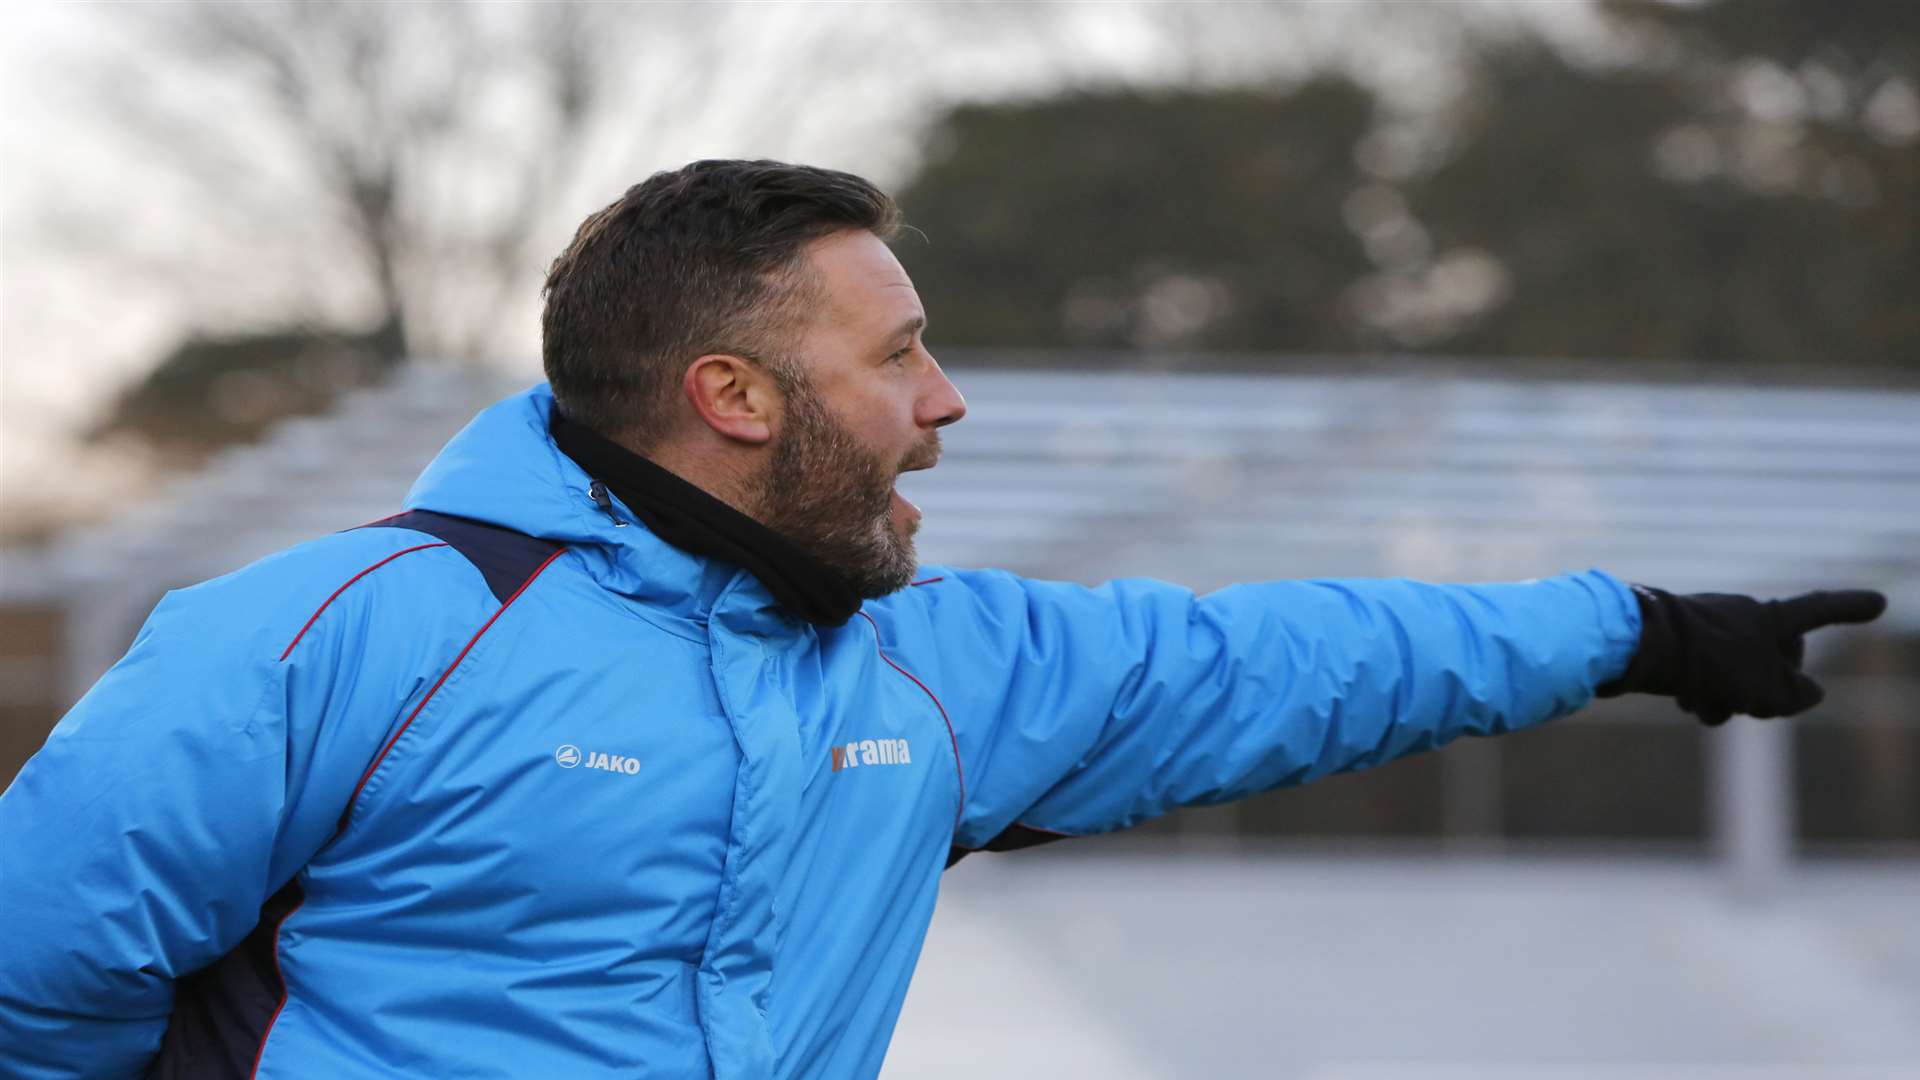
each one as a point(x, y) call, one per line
point(940, 402)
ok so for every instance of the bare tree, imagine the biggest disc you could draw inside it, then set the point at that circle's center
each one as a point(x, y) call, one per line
point(408, 167)
point(318, 190)
point(402, 154)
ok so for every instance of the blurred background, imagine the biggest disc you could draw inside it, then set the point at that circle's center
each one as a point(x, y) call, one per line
point(1460, 291)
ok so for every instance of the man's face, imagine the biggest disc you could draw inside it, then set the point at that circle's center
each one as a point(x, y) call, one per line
point(862, 404)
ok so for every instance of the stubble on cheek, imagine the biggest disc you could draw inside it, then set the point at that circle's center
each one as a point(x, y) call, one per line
point(833, 498)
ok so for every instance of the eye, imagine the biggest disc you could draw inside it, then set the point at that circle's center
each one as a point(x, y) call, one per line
point(900, 355)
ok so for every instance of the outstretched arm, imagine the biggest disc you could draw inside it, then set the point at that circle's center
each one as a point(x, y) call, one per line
point(1084, 710)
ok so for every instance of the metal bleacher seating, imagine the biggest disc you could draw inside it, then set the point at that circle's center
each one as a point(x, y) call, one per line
point(1210, 479)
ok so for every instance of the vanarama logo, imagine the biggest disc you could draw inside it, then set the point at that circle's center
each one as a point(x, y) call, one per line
point(871, 752)
point(569, 756)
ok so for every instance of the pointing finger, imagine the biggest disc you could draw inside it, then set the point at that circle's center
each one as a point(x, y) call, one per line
point(1811, 611)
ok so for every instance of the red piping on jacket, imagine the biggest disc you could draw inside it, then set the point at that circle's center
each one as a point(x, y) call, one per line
point(279, 975)
point(336, 593)
point(931, 696)
point(471, 642)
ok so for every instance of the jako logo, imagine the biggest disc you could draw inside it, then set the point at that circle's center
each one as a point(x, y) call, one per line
point(569, 756)
point(871, 752)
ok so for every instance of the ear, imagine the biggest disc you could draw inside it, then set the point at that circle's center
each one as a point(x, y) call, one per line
point(732, 396)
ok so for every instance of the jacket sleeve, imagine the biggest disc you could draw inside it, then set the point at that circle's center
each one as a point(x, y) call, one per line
point(1080, 710)
point(192, 782)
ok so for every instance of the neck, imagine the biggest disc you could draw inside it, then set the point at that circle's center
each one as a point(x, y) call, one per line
point(681, 512)
point(714, 470)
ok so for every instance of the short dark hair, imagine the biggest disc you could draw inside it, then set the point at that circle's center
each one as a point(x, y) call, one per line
point(706, 258)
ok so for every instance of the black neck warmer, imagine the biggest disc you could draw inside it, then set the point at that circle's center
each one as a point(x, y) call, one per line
point(694, 521)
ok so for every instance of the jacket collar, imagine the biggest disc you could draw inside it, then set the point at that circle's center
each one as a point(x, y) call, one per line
point(503, 468)
point(693, 520)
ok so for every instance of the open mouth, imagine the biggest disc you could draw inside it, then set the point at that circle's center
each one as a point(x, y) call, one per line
point(906, 515)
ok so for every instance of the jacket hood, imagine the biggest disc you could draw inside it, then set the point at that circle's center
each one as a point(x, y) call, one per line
point(504, 469)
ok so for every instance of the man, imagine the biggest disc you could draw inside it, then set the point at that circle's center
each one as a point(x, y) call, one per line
point(637, 744)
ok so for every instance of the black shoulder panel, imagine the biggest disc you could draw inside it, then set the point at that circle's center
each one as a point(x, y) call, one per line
point(504, 557)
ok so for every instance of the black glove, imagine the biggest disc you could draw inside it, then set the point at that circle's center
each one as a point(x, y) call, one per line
point(1720, 654)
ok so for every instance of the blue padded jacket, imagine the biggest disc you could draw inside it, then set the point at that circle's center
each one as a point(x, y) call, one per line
point(506, 786)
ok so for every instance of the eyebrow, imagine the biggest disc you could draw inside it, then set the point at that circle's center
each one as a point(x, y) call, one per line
point(918, 322)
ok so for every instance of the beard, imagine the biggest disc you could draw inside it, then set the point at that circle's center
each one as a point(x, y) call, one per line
point(833, 498)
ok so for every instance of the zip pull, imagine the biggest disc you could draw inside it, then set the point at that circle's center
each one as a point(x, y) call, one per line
point(605, 502)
